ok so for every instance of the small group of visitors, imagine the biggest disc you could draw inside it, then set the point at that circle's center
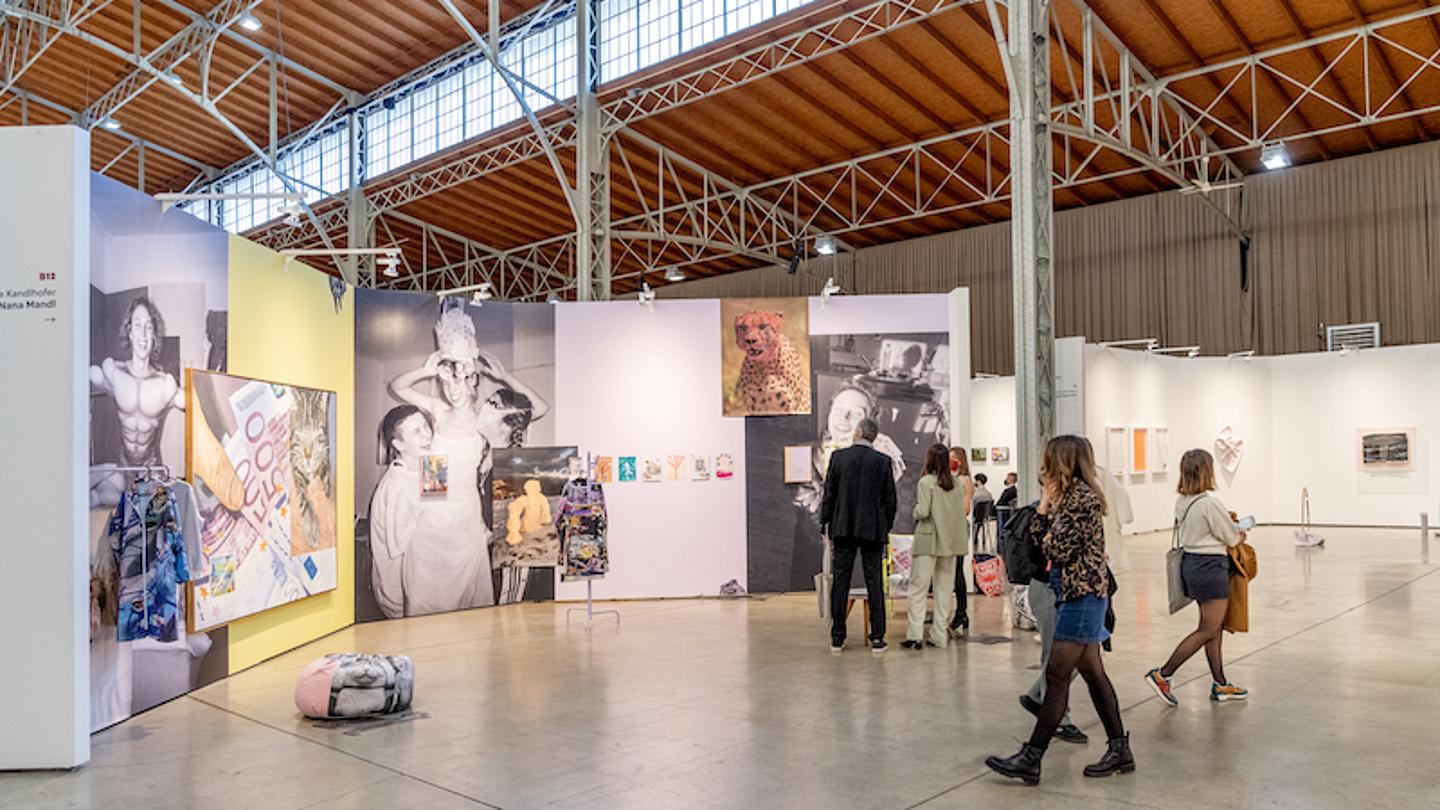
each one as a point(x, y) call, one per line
point(1072, 579)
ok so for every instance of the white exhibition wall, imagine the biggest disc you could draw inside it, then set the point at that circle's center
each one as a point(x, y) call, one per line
point(1321, 401)
point(632, 381)
point(646, 382)
point(44, 360)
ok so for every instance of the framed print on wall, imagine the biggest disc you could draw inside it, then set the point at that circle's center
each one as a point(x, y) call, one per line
point(1139, 450)
point(1386, 448)
point(798, 461)
point(1116, 452)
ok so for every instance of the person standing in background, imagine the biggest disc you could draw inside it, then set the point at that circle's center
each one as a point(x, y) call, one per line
point(1206, 531)
point(1011, 493)
point(940, 532)
point(960, 469)
point(856, 513)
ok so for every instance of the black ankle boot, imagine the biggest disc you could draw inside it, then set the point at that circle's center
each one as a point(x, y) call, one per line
point(1024, 766)
point(1117, 759)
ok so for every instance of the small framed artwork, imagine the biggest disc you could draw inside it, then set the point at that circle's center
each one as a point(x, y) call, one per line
point(798, 461)
point(999, 455)
point(1159, 450)
point(1139, 450)
point(699, 468)
point(675, 468)
point(724, 466)
point(652, 471)
point(627, 469)
point(1387, 449)
point(978, 455)
point(1115, 450)
point(605, 470)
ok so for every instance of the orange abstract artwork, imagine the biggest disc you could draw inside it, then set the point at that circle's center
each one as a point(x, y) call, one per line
point(1139, 438)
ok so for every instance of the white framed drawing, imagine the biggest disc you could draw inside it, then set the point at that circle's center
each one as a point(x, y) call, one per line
point(798, 462)
point(1116, 452)
point(1159, 449)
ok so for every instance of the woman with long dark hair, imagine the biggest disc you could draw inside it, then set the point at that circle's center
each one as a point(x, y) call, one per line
point(1070, 527)
point(940, 531)
point(1206, 530)
point(960, 469)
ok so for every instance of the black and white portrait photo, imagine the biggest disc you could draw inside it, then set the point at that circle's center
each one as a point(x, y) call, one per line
point(903, 383)
point(442, 384)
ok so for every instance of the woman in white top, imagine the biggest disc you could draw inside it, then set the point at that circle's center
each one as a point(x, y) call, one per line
point(1206, 531)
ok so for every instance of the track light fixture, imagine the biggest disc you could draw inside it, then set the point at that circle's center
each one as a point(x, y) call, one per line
point(647, 297)
point(1144, 343)
point(389, 264)
point(1188, 351)
point(553, 299)
point(829, 290)
point(482, 294)
point(1245, 355)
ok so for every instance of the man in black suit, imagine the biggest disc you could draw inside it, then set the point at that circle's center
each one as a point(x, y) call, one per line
point(856, 514)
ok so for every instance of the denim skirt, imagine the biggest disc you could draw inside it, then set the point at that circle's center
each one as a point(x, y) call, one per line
point(1082, 620)
point(1205, 576)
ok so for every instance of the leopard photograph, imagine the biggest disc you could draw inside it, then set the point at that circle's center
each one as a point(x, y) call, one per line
point(767, 363)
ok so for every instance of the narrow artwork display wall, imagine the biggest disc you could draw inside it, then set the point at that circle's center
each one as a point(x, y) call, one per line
point(158, 304)
point(900, 380)
point(446, 385)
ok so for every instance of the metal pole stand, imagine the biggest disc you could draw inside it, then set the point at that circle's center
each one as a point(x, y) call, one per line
point(1425, 537)
point(590, 611)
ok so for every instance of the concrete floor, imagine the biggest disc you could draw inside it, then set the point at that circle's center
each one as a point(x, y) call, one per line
point(738, 704)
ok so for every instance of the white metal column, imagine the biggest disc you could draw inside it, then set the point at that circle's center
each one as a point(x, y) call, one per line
point(592, 162)
point(1032, 222)
point(357, 214)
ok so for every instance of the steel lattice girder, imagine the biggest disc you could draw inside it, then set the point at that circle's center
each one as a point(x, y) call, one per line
point(190, 40)
point(36, 25)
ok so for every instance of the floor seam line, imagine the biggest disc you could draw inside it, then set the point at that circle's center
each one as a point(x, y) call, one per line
point(343, 752)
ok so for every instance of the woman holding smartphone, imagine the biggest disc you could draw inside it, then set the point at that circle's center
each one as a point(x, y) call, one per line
point(1207, 531)
point(1069, 526)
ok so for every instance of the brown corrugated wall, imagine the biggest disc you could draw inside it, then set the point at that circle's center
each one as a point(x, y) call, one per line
point(1344, 241)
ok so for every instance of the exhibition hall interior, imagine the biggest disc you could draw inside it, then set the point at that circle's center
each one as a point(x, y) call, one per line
point(719, 403)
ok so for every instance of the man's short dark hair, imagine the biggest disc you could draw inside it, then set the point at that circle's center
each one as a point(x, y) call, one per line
point(869, 430)
point(981, 478)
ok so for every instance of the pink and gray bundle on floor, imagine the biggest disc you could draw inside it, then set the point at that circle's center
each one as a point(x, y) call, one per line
point(355, 685)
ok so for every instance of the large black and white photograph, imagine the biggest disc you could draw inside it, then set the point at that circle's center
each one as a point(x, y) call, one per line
point(158, 306)
point(902, 382)
point(443, 378)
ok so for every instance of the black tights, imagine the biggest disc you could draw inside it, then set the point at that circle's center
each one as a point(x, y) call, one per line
point(1065, 658)
point(1207, 636)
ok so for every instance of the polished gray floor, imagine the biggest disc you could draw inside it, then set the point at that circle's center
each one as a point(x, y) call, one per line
point(738, 704)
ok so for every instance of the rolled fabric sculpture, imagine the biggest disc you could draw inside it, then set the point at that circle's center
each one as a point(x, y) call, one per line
point(344, 685)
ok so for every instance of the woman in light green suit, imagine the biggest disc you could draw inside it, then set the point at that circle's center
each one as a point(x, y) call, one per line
point(940, 534)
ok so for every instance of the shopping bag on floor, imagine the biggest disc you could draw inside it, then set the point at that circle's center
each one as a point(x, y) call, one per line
point(990, 574)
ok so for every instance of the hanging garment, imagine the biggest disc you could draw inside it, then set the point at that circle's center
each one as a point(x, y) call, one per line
point(147, 539)
point(580, 520)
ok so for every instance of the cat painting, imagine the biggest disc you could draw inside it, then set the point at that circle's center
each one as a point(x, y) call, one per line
point(311, 468)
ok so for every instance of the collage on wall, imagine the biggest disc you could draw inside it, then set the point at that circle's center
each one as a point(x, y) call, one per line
point(263, 464)
point(158, 307)
point(900, 380)
point(442, 387)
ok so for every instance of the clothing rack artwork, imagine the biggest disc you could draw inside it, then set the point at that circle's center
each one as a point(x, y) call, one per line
point(153, 534)
point(581, 522)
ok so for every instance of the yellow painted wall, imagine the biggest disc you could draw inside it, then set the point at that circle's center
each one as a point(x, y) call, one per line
point(284, 327)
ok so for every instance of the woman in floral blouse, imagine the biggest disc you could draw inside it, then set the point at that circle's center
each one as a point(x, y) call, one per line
point(1069, 526)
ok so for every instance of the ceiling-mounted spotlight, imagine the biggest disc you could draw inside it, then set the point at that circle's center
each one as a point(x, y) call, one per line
point(825, 245)
point(647, 296)
point(110, 124)
point(674, 274)
point(553, 299)
point(249, 22)
point(1245, 355)
point(1274, 156)
point(482, 294)
point(830, 289)
point(291, 210)
point(389, 265)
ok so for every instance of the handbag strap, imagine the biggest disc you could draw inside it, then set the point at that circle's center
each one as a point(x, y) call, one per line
point(1175, 533)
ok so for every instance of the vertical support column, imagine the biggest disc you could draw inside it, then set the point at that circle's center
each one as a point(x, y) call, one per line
point(592, 163)
point(357, 211)
point(1032, 223)
point(274, 111)
point(140, 183)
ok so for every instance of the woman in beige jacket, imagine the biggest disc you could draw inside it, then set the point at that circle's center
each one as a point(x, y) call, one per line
point(940, 534)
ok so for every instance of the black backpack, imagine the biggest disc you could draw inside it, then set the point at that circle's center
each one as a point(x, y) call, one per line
point(1024, 559)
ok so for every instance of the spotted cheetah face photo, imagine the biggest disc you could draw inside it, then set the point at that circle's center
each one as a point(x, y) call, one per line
point(759, 334)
